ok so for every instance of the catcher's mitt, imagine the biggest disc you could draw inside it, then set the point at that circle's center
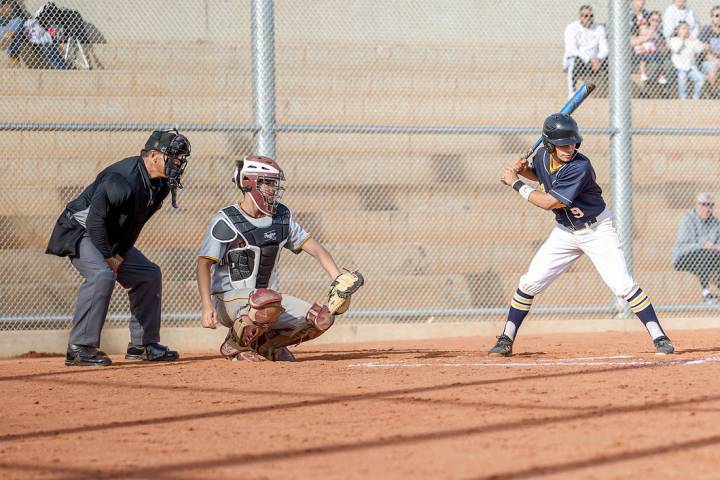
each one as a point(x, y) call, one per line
point(341, 289)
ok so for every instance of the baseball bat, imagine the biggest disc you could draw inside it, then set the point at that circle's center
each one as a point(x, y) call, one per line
point(575, 101)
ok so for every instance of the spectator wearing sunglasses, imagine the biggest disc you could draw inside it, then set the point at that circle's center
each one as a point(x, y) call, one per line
point(710, 36)
point(697, 249)
point(678, 12)
point(586, 49)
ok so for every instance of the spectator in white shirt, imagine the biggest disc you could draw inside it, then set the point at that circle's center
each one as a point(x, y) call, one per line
point(586, 49)
point(685, 49)
point(678, 12)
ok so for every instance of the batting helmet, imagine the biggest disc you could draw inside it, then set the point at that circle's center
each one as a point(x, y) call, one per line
point(262, 178)
point(560, 129)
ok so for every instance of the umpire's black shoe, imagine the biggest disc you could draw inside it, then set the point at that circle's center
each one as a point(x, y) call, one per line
point(503, 347)
point(152, 352)
point(84, 356)
point(663, 346)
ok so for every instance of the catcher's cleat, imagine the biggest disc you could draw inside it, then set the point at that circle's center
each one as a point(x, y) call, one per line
point(229, 348)
point(282, 355)
point(84, 356)
point(250, 356)
point(503, 347)
point(663, 346)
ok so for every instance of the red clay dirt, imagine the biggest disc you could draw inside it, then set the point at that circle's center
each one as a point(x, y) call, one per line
point(580, 406)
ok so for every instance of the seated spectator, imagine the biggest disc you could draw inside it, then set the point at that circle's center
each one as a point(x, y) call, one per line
point(678, 12)
point(651, 50)
point(710, 36)
point(685, 50)
point(697, 249)
point(12, 16)
point(41, 38)
point(662, 62)
point(586, 49)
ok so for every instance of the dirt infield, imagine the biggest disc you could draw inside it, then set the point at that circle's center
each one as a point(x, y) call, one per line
point(565, 406)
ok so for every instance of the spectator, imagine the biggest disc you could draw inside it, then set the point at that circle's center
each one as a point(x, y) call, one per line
point(678, 12)
point(639, 15)
point(586, 49)
point(38, 36)
point(697, 249)
point(710, 36)
point(685, 50)
point(12, 17)
point(650, 49)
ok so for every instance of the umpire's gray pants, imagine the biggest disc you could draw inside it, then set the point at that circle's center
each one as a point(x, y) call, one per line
point(139, 275)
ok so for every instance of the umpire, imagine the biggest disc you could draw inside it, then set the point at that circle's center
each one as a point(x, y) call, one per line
point(98, 230)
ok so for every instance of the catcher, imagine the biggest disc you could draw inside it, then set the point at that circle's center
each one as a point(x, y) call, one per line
point(237, 271)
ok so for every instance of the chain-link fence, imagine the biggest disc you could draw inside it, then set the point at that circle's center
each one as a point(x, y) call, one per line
point(393, 120)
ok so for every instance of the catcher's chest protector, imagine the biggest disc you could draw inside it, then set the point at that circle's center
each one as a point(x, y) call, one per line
point(251, 259)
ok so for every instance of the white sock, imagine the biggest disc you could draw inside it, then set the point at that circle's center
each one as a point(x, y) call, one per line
point(654, 330)
point(510, 330)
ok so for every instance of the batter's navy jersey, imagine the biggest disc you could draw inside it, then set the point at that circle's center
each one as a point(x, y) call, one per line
point(573, 185)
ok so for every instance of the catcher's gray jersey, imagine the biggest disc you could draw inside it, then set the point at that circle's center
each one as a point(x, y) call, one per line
point(217, 250)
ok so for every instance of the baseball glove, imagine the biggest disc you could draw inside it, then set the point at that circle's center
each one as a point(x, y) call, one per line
point(341, 289)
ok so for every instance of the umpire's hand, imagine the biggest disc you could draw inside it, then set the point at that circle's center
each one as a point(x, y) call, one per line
point(114, 262)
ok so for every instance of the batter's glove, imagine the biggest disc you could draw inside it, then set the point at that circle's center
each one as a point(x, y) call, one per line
point(341, 289)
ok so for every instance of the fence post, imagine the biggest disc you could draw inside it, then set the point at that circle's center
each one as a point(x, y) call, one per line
point(263, 76)
point(621, 125)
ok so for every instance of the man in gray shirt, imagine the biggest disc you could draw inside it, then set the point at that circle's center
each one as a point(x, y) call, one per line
point(697, 249)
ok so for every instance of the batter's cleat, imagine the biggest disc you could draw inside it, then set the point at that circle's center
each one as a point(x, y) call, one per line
point(503, 347)
point(663, 346)
point(152, 352)
point(84, 356)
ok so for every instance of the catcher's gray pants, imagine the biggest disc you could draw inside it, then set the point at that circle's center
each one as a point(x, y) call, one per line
point(230, 305)
point(139, 275)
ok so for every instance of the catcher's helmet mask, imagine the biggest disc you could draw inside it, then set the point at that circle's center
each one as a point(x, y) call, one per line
point(560, 129)
point(262, 179)
point(175, 148)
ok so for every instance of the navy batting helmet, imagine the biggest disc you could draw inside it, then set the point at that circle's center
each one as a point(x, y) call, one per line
point(560, 129)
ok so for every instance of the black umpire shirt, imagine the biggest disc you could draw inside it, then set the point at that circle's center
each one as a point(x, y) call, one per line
point(112, 210)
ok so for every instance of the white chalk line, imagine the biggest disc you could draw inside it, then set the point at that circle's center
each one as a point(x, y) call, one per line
point(615, 361)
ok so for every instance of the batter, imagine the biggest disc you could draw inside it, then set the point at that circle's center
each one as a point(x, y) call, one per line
point(584, 225)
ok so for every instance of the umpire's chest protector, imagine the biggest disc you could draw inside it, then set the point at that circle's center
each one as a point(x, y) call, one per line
point(252, 251)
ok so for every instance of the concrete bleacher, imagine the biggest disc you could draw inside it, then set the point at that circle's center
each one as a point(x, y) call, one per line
point(374, 199)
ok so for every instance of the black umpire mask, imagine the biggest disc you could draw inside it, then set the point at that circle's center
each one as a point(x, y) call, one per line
point(175, 148)
point(176, 156)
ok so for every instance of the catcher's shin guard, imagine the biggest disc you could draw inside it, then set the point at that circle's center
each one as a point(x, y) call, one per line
point(265, 309)
point(318, 320)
